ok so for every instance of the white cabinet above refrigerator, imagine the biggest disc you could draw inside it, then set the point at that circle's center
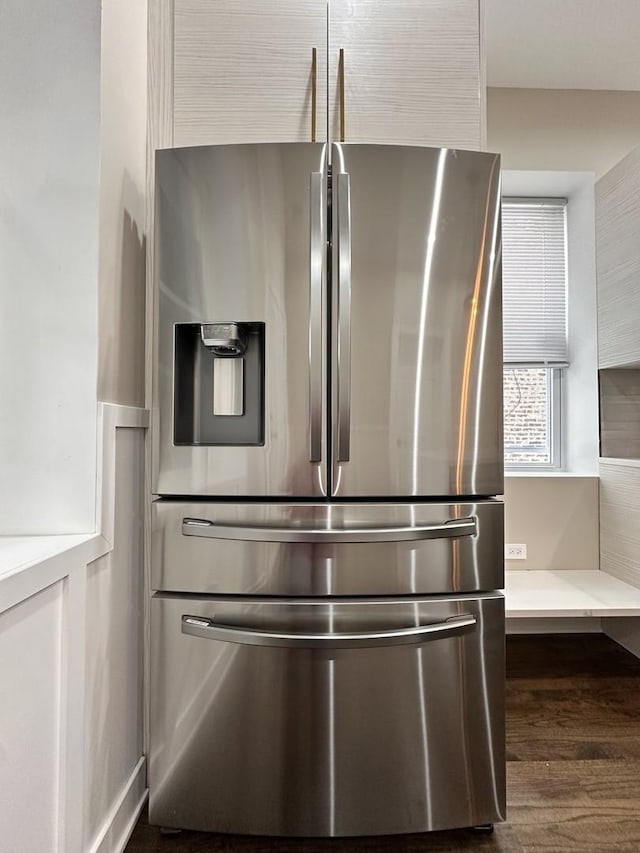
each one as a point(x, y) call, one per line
point(412, 71)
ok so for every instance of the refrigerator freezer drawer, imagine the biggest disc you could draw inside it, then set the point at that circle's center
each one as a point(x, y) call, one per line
point(311, 735)
point(327, 549)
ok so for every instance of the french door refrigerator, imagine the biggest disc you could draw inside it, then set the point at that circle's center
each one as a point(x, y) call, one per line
point(327, 631)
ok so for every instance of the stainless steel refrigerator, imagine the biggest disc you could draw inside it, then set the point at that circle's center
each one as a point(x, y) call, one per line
point(327, 631)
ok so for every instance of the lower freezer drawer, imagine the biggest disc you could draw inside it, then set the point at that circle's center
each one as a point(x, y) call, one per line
point(327, 717)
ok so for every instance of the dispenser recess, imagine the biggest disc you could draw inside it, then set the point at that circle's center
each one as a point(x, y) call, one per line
point(218, 383)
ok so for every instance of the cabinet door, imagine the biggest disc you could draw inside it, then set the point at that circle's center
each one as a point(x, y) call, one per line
point(618, 263)
point(242, 71)
point(412, 72)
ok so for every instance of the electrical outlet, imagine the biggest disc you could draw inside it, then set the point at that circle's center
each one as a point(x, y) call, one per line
point(515, 552)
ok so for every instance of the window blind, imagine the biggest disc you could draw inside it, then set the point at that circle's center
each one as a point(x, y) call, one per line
point(534, 281)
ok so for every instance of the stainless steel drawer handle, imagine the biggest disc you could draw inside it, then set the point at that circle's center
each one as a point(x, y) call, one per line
point(454, 626)
point(453, 529)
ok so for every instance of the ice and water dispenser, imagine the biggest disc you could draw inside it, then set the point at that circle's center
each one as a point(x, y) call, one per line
point(219, 383)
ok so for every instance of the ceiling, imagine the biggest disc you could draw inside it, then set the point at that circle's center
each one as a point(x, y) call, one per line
point(563, 44)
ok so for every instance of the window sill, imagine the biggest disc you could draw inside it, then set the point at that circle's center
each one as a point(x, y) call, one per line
point(511, 474)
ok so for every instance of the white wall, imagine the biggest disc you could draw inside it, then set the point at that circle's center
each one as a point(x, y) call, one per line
point(560, 129)
point(71, 627)
point(556, 517)
point(123, 152)
point(49, 124)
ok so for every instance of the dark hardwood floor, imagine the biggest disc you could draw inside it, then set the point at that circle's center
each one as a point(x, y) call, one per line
point(573, 772)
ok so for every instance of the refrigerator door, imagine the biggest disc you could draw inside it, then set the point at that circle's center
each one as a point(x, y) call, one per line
point(327, 549)
point(240, 278)
point(303, 718)
point(417, 334)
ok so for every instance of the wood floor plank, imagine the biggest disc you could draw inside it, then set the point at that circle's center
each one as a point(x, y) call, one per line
point(573, 831)
point(534, 783)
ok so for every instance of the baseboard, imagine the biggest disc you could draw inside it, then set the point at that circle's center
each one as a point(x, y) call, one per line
point(559, 625)
point(121, 820)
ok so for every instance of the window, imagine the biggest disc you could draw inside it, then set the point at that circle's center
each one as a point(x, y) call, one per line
point(535, 329)
point(532, 416)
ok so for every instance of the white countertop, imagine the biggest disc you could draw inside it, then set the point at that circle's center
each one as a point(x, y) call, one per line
point(19, 552)
point(569, 593)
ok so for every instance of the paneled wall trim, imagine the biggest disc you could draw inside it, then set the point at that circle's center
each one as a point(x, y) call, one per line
point(56, 626)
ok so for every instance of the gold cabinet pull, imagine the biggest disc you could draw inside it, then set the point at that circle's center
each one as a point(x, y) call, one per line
point(314, 75)
point(341, 85)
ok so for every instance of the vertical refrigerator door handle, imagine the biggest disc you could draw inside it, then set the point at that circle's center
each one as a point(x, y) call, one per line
point(344, 318)
point(316, 261)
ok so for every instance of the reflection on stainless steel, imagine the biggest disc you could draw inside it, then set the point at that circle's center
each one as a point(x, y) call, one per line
point(491, 308)
point(289, 741)
point(479, 284)
point(268, 558)
point(332, 763)
point(424, 302)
